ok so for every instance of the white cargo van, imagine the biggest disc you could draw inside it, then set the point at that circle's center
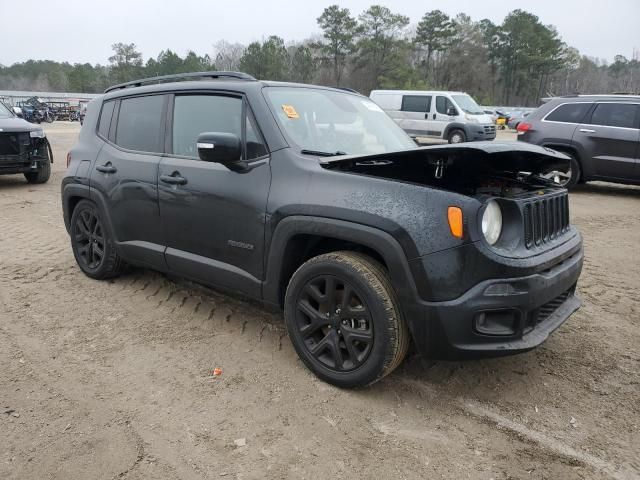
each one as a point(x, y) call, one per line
point(453, 116)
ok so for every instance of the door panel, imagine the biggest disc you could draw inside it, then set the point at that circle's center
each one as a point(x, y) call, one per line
point(214, 221)
point(415, 115)
point(218, 215)
point(127, 180)
point(612, 150)
point(609, 140)
point(129, 185)
point(439, 113)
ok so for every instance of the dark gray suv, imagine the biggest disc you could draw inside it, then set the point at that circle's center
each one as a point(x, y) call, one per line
point(313, 200)
point(601, 134)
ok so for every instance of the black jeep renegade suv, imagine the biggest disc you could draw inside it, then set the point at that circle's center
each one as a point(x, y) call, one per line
point(312, 199)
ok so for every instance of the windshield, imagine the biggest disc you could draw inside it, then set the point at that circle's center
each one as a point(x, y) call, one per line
point(335, 122)
point(4, 111)
point(468, 104)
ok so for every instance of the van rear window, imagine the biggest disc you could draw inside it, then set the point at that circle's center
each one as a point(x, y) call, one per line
point(416, 103)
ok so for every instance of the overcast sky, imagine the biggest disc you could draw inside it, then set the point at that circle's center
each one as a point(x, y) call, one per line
point(83, 30)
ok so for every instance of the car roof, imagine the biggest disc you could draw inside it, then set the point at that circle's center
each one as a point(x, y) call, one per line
point(232, 84)
point(582, 98)
point(416, 92)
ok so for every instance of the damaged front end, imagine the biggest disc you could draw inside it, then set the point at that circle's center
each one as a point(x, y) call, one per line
point(23, 152)
point(510, 279)
point(500, 169)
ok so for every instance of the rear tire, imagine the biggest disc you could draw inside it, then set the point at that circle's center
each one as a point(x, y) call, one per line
point(344, 319)
point(457, 136)
point(93, 246)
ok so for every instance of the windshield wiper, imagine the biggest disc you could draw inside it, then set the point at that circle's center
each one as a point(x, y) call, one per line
point(322, 154)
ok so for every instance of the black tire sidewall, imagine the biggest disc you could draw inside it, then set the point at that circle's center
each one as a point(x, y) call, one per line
point(576, 172)
point(376, 361)
point(42, 175)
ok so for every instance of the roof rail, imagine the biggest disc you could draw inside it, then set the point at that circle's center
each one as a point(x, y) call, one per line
point(180, 76)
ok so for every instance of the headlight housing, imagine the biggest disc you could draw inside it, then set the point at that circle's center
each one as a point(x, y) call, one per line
point(471, 119)
point(37, 134)
point(492, 222)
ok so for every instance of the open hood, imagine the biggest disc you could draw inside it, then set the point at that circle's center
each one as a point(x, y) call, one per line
point(465, 159)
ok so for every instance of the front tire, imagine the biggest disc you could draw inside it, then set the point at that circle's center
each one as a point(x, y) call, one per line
point(43, 174)
point(92, 244)
point(344, 320)
point(457, 136)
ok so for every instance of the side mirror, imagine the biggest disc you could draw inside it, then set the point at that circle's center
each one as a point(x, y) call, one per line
point(224, 148)
point(452, 112)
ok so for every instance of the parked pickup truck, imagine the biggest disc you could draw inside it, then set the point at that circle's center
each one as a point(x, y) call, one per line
point(313, 200)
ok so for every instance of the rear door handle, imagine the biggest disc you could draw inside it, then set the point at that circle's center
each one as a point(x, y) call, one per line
point(587, 130)
point(174, 179)
point(106, 168)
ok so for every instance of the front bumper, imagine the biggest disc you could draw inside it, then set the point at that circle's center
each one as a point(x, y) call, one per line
point(28, 157)
point(19, 164)
point(480, 132)
point(499, 316)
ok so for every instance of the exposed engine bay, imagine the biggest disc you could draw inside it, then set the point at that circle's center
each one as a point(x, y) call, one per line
point(497, 169)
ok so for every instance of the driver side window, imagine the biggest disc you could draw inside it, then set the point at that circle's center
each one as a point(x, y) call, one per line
point(196, 114)
point(443, 104)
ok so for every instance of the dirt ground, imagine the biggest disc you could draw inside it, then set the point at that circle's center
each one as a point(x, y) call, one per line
point(103, 380)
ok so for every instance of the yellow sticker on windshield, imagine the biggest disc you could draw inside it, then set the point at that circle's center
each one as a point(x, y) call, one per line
point(290, 111)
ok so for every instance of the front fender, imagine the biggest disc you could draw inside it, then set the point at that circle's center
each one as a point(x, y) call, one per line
point(456, 126)
point(381, 242)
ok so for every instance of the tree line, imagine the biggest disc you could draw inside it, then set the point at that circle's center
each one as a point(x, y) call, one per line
point(513, 63)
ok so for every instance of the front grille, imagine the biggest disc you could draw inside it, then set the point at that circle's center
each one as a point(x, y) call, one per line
point(545, 219)
point(14, 143)
point(490, 129)
point(540, 314)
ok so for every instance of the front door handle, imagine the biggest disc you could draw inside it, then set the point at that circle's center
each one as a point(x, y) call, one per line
point(434, 116)
point(106, 168)
point(587, 130)
point(174, 179)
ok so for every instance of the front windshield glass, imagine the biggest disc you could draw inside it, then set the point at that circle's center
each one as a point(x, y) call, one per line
point(334, 122)
point(468, 104)
point(4, 111)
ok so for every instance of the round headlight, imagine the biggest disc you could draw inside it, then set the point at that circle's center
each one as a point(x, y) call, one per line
point(492, 222)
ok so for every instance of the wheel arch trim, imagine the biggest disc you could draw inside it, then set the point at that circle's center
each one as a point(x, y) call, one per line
point(381, 242)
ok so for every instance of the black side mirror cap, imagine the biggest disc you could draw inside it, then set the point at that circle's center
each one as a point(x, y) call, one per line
point(452, 112)
point(220, 147)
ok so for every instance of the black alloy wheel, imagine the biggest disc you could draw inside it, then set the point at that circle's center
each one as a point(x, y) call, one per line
point(334, 323)
point(89, 237)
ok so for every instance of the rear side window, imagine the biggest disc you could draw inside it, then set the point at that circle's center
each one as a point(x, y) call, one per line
point(416, 103)
point(615, 115)
point(105, 118)
point(569, 113)
point(443, 104)
point(140, 123)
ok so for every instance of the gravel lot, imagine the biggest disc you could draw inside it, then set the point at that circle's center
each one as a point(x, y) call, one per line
point(113, 379)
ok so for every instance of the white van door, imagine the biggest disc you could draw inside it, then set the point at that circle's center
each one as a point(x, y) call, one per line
point(415, 110)
point(440, 114)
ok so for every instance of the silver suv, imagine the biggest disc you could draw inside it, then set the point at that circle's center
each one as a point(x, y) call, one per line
point(600, 134)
